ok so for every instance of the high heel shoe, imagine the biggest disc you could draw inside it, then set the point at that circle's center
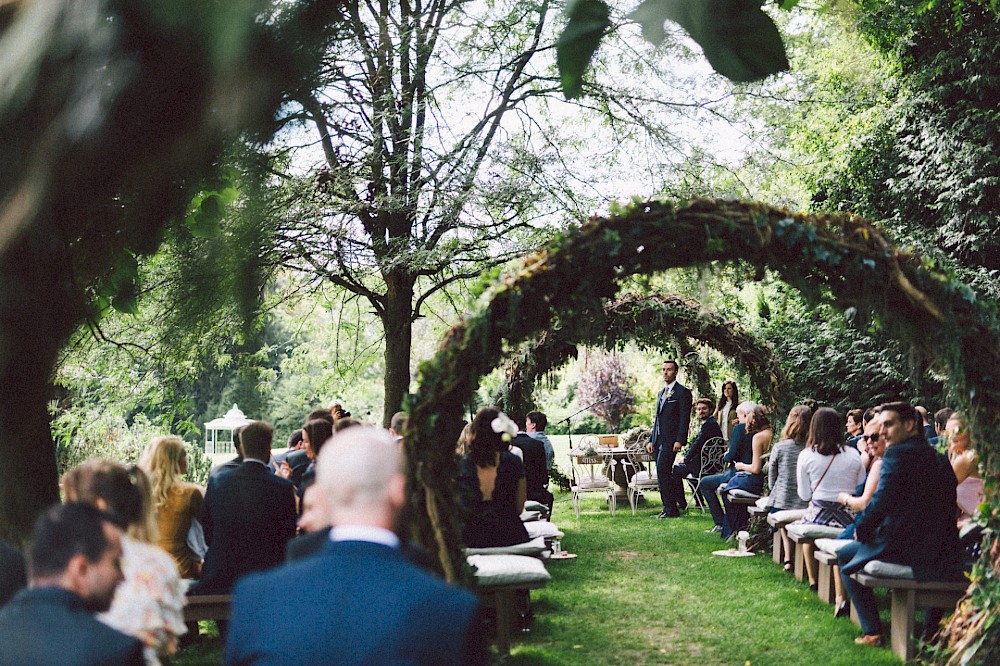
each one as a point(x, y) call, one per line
point(843, 609)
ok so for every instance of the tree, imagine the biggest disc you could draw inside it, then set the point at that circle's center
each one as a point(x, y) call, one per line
point(113, 111)
point(605, 380)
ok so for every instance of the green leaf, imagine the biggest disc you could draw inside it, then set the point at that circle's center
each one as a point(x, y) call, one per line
point(126, 302)
point(202, 225)
point(739, 40)
point(788, 5)
point(588, 21)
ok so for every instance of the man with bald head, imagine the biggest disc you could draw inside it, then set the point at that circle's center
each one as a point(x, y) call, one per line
point(358, 600)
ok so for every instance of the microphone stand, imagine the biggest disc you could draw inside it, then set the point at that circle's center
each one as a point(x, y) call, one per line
point(576, 413)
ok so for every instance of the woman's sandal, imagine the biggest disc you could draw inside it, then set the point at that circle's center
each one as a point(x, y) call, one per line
point(789, 565)
point(843, 609)
point(874, 640)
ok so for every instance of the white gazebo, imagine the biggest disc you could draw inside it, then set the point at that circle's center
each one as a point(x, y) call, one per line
point(219, 432)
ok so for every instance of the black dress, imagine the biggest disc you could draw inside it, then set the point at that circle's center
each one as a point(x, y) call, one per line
point(496, 522)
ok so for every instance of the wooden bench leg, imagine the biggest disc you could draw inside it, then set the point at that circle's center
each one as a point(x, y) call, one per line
point(505, 611)
point(902, 619)
point(800, 562)
point(778, 547)
point(824, 580)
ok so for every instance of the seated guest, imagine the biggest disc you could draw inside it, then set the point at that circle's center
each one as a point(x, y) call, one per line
point(535, 424)
point(941, 417)
point(782, 469)
point(314, 524)
point(827, 467)
point(248, 518)
point(397, 425)
point(296, 459)
point(74, 562)
point(315, 433)
point(910, 519)
point(492, 485)
point(691, 462)
point(536, 475)
point(358, 600)
point(13, 575)
point(740, 449)
point(965, 464)
point(874, 445)
point(177, 503)
point(149, 604)
point(749, 475)
point(855, 426)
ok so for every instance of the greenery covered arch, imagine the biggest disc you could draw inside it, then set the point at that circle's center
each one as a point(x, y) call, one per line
point(914, 299)
point(649, 321)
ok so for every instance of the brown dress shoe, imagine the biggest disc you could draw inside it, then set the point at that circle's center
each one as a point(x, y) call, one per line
point(875, 640)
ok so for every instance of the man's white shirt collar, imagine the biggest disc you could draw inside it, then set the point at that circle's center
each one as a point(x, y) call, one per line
point(368, 533)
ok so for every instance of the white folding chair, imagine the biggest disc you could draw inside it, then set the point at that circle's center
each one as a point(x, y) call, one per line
point(589, 478)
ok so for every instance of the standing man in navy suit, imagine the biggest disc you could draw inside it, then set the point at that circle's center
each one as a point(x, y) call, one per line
point(670, 431)
point(358, 599)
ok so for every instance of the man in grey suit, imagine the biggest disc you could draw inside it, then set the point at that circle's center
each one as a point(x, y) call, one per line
point(671, 422)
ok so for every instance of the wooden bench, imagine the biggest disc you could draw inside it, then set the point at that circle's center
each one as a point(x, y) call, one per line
point(799, 556)
point(503, 599)
point(207, 607)
point(826, 574)
point(908, 595)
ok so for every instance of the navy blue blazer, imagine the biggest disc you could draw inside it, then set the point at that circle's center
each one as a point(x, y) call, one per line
point(911, 517)
point(49, 626)
point(352, 603)
point(672, 418)
point(709, 430)
point(248, 517)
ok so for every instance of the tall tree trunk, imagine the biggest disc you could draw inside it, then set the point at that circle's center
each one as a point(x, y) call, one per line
point(38, 310)
point(397, 319)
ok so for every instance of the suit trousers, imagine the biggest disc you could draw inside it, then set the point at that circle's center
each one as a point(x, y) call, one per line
point(862, 597)
point(709, 489)
point(677, 483)
point(664, 465)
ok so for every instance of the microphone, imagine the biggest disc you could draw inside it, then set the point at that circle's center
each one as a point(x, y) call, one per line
point(606, 398)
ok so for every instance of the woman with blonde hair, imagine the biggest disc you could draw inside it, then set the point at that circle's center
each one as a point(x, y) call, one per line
point(965, 464)
point(149, 603)
point(177, 502)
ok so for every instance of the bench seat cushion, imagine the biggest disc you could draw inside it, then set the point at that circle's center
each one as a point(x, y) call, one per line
point(543, 528)
point(530, 516)
point(531, 548)
point(532, 505)
point(500, 570)
point(889, 570)
point(810, 531)
point(782, 518)
point(832, 545)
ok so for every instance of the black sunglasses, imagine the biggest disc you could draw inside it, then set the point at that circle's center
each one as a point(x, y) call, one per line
point(872, 438)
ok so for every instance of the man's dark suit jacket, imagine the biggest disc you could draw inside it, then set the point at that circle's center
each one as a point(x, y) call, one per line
point(536, 475)
point(311, 543)
point(352, 603)
point(672, 418)
point(911, 517)
point(13, 575)
point(297, 459)
point(249, 516)
point(48, 626)
point(709, 430)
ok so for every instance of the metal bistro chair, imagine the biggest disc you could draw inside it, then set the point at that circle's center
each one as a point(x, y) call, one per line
point(641, 470)
point(711, 462)
point(587, 480)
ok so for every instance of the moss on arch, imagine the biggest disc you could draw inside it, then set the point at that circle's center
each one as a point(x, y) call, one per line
point(649, 321)
point(916, 300)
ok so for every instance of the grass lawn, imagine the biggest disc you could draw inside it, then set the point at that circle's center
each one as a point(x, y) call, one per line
point(646, 591)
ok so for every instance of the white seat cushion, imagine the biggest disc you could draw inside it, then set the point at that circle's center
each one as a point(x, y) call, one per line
point(810, 531)
point(508, 570)
point(528, 516)
point(532, 505)
point(832, 545)
point(543, 528)
point(889, 570)
point(641, 478)
point(588, 483)
point(782, 518)
point(530, 548)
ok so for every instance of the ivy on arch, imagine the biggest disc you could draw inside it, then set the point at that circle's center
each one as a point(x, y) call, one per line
point(649, 321)
point(914, 299)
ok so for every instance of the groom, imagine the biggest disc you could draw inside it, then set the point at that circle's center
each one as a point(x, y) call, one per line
point(670, 430)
